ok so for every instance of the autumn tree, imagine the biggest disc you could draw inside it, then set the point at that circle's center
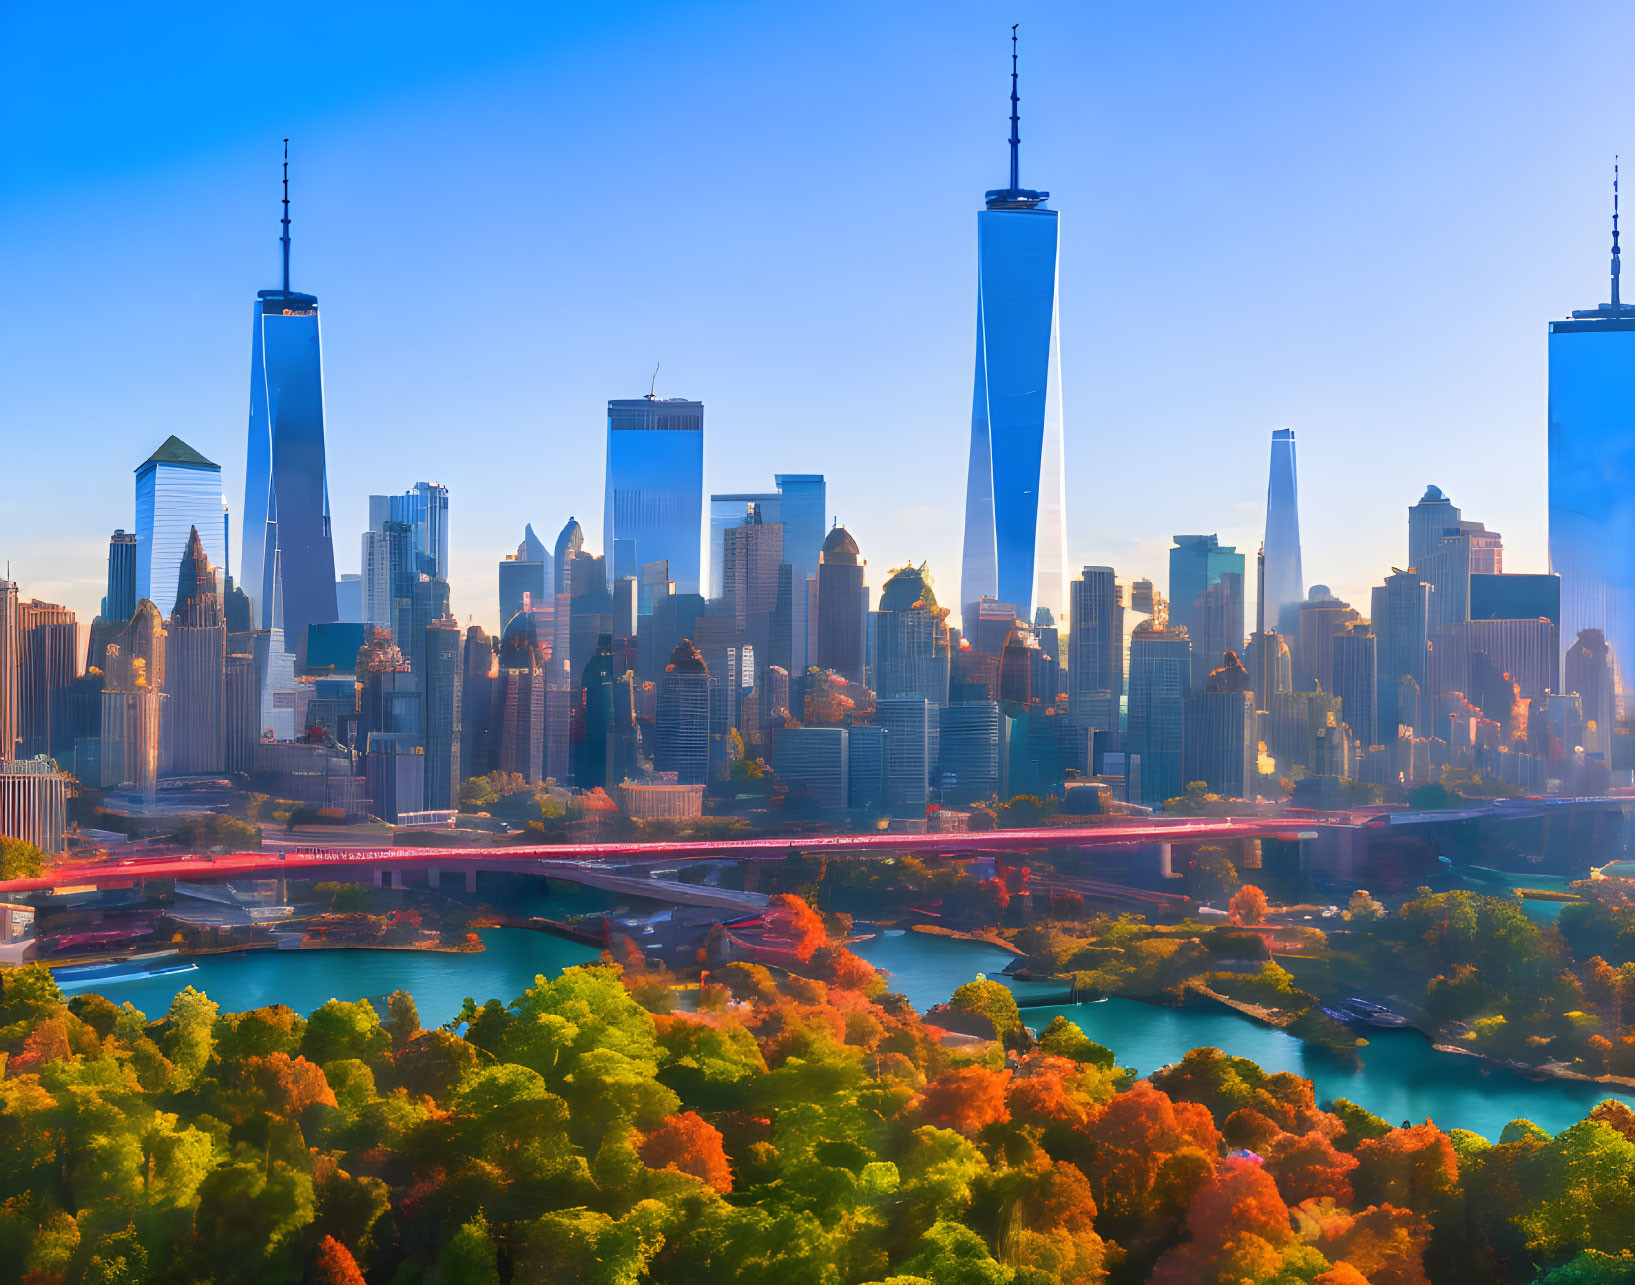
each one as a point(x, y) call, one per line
point(688, 1144)
point(1248, 905)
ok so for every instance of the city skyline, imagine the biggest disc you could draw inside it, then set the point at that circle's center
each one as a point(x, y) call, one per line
point(59, 563)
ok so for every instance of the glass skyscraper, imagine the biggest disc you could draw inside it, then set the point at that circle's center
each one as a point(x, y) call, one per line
point(1285, 584)
point(1015, 502)
point(1592, 475)
point(288, 567)
point(177, 489)
point(654, 507)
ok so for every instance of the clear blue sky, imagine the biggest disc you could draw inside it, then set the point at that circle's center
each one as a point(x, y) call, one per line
point(1349, 220)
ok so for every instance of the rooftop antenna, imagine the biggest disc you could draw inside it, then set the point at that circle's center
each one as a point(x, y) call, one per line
point(1615, 304)
point(285, 239)
point(1016, 138)
point(653, 387)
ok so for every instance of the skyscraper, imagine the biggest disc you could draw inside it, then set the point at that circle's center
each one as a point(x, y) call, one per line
point(1285, 579)
point(1592, 476)
point(681, 730)
point(442, 655)
point(1095, 649)
point(912, 639)
point(1015, 500)
point(196, 669)
point(528, 571)
point(1401, 620)
point(654, 506)
point(803, 509)
point(48, 654)
point(1160, 681)
point(842, 606)
point(1206, 598)
point(729, 510)
point(120, 601)
point(177, 489)
point(11, 668)
point(288, 567)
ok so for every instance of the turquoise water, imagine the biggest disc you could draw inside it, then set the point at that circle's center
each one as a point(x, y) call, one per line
point(1401, 1078)
point(307, 979)
point(1502, 883)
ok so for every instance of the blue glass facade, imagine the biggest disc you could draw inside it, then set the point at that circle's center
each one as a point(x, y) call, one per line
point(653, 510)
point(1592, 480)
point(289, 558)
point(1015, 506)
point(1285, 585)
point(177, 489)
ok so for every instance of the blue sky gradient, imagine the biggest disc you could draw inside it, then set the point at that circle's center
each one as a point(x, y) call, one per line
point(1353, 221)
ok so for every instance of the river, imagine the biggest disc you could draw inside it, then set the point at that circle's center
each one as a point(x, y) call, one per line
point(1401, 1077)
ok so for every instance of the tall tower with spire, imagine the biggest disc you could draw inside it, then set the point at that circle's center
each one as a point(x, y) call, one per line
point(1015, 497)
point(288, 563)
point(1592, 477)
point(1283, 584)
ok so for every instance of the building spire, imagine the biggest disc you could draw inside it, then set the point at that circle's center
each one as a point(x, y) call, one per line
point(1615, 304)
point(1016, 138)
point(284, 240)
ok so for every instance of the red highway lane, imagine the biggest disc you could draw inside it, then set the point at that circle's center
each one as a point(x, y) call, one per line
point(120, 872)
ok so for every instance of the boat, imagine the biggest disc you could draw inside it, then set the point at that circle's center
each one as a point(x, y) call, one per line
point(1374, 1014)
point(79, 976)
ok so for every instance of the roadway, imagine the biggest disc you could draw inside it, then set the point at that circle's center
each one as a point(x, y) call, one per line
point(558, 860)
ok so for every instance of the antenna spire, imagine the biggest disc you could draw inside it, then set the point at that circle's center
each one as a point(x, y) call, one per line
point(1016, 138)
point(1615, 303)
point(653, 387)
point(284, 240)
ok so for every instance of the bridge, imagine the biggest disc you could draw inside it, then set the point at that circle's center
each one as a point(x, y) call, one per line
point(596, 863)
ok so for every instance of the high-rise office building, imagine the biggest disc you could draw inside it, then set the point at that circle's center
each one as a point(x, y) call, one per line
point(119, 602)
point(1591, 671)
point(177, 489)
point(423, 508)
point(1428, 521)
point(288, 566)
point(48, 654)
point(1015, 497)
point(654, 506)
point(1285, 583)
point(842, 606)
point(1218, 742)
point(972, 752)
point(1206, 599)
point(1322, 618)
point(1160, 681)
point(442, 654)
point(751, 554)
point(803, 510)
point(911, 639)
point(681, 729)
point(133, 700)
point(11, 670)
point(1592, 475)
point(521, 705)
point(910, 723)
point(1095, 649)
point(1401, 614)
point(731, 509)
point(196, 670)
point(814, 762)
point(526, 572)
point(34, 803)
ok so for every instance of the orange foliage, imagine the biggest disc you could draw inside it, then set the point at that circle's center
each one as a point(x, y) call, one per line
point(1385, 1244)
point(288, 1086)
point(335, 1265)
point(1410, 1167)
point(1049, 1092)
point(1149, 1152)
point(839, 967)
point(789, 916)
point(1248, 905)
point(1341, 1274)
point(689, 1144)
point(1239, 1225)
point(966, 1100)
point(47, 1042)
point(1307, 1166)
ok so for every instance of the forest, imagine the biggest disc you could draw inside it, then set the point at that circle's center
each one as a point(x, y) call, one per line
point(795, 1127)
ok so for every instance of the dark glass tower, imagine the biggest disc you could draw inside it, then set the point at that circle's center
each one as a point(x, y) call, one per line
point(289, 558)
